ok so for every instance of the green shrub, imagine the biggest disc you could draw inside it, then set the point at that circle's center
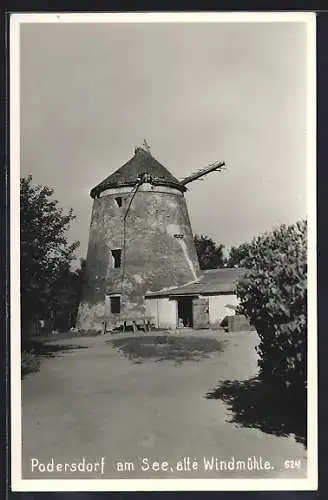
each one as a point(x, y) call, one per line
point(273, 295)
point(30, 362)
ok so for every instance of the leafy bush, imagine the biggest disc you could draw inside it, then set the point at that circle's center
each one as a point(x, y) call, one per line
point(273, 295)
point(30, 362)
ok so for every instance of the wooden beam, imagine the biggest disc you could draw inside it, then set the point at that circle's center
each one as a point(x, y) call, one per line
point(214, 167)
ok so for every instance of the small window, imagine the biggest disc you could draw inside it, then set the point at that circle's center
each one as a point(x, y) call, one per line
point(116, 258)
point(115, 305)
point(119, 201)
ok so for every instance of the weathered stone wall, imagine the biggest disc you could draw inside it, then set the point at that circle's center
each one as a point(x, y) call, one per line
point(159, 252)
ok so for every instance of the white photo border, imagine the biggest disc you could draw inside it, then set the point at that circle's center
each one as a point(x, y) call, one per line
point(17, 482)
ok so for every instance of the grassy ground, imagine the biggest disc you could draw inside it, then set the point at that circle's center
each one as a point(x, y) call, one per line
point(157, 396)
point(168, 348)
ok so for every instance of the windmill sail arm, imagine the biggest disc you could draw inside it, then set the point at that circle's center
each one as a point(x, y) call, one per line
point(215, 167)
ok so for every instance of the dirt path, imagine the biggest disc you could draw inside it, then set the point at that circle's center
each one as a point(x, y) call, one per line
point(92, 402)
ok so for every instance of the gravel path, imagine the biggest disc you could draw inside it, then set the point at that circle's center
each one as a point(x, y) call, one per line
point(90, 402)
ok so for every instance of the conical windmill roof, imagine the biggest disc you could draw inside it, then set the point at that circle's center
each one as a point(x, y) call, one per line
point(142, 162)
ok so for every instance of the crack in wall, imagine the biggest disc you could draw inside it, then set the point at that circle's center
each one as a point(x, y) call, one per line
point(173, 230)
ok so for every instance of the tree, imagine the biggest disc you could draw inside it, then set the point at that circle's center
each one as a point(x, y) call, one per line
point(46, 254)
point(66, 296)
point(273, 295)
point(209, 254)
point(237, 255)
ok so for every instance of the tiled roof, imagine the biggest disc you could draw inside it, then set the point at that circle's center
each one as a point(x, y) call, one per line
point(140, 163)
point(212, 282)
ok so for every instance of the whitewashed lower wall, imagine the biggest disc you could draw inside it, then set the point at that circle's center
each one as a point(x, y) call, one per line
point(164, 312)
point(219, 307)
point(151, 310)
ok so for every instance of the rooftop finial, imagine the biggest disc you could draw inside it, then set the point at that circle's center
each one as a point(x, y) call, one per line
point(146, 146)
point(143, 147)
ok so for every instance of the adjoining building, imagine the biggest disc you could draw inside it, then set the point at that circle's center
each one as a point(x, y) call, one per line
point(201, 304)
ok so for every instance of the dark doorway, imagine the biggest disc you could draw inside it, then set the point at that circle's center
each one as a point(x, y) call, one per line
point(185, 316)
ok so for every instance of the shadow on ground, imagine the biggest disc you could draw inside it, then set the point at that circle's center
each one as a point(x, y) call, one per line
point(34, 351)
point(256, 404)
point(48, 337)
point(167, 348)
point(51, 350)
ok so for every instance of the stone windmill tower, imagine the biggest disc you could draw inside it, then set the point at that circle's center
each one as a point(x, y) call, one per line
point(140, 240)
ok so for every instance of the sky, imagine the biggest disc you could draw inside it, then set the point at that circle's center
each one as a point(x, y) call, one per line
point(232, 92)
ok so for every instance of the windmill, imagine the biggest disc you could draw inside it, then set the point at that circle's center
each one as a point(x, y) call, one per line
point(140, 239)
